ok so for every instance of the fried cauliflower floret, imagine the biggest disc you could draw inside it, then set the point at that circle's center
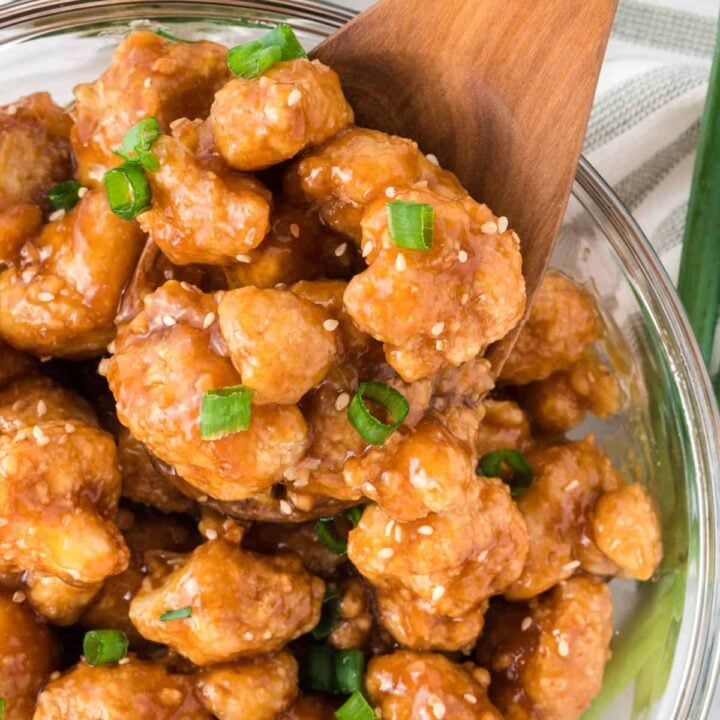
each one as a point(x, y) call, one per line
point(452, 561)
point(503, 427)
point(165, 360)
point(419, 686)
point(34, 149)
point(263, 121)
point(147, 76)
point(144, 689)
point(55, 600)
point(200, 216)
point(28, 654)
point(569, 480)
point(547, 658)
point(445, 305)
point(560, 402)
point(309, 708)
point(60, 296)
point(350, 170)
point(626, 528)
point(242, 603)
point(258, 688)
point(563, 322)
point(424, 470)
point(281, 344)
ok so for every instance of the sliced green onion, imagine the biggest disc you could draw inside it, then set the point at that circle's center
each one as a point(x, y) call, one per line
point(349, 667)
point(64, 195)
point(319, 669)
point(411, 224)
point(137, 142)
point(2, 708)
point(179, 614)
point(356, 707)
point(491, 465)
point(355, 513)
point(330, 617)
point(367, 425)
point(101, 647)
point(128, 191)
point(327, 535)
point(255, 57)
point(225, 411)
point(169, 36)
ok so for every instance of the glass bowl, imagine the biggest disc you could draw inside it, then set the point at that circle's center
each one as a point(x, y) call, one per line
point(665, 653)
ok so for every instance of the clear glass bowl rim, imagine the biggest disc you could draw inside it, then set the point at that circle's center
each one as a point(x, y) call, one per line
point(641, 266)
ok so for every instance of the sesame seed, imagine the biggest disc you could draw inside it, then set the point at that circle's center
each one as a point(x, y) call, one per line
point(12, 109)
point(341, 175)
point(433, 159)
point(123, 661)
point(470, 698)
point(69, 428)
point(398, 533)
point(437, 328)
point(57, 215)
point(294, 97)
point(389, 528)
point(390, 192)
point(440, 345)
point(18, 597)
point(295, 230)
point(367, 248)
point(462, 256)
point(425, 530)
point(148, 82)
point(40, 437)
point(343, 400)
point(208, 320)
point(202, 498)
point(41, 408)
point(20, 436)
point(285, 507)
point(330, 324)
point(489, 228)
point(571, 566)
point(502, 224)
point(526, 624)
point(168, 320)
point(82, 192)
point(211, 534)
point(386, 553)
point(248, 636)
point(400, 262)
point(438, 706)
point(242, 258)
point(563, 648)
point(437, 593)
point(572, 485)
point(46, 297)
point(482, 557)
point(267, 634)
point(340, 250)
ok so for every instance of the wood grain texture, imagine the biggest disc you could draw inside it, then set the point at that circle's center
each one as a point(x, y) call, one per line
point(499, 90)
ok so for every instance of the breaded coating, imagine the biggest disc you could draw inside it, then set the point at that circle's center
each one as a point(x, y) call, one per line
point(200, 216)
point(281, 344)
point(547, 658)
point(60, 296)
point(258, 688)
point(424, 470)
point(356, 620)
point(147, 76)
point(350, 170)
point(55, 600)
point(18, 222)
point(28, 654)
point(445, 305)
point(560, 402)
point(503, 427)
point(569, 479)
point(241, 603)
point(419, 686)
point(563, 322)
point(138, 689)
point(453, 561)
point(165, 360)
point(626, 528)
point(294, 105)
point(309, 708)
point(34, 149)
point(468, 382)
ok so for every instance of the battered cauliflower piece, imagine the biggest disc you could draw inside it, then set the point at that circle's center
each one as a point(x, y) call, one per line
point(626, 528)
point(503, 427)
point(34, 150)
point(28, 654)
point(414, 473)
point(559, 403)
point(146, 689)
point(309, 708)
point(563, 322)
point(263, 121)
point(55, 600)
point(200, 216)
point(547, 658)
point(451, 561)
point(241, 603)
point(258, 688)
point(147, 76)
point(18, 222)
point(164, 361)
point(281, 344)
point(442, 306)
point(346, 173)
point(418, 686)
point(60, 296)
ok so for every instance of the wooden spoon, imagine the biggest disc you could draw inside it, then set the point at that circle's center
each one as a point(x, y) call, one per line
point(499, 90)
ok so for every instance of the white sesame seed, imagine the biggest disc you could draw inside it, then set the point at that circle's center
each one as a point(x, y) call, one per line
point(437, 328)
point(526, 624)
point(208, 320)
point(20, 436)
point(202, 498)
point(41, 408)
point(367, 248)
point(211, 534)
point(572, 485)
point(462, 256)
point(12, 109)
point(18, 597)
point(439, 345)
point(470, 698)
point(267, 634)
point(389, 528)
point(148, 82)
point(330, 324)
point(69, 428)
point(168, 320)
point(45, 297)
point(386, 553)
point(390, 192)
point(425, 530)
point(248, 636)
point(340, 250)
point(295, 230)
point(482, 557)
point(400, 262)
point(502, 224)
point(285, 507)
point(433, 159)
point(563, 648)
point(489, 228)
point(57, 215)
point(438, 706)
point(294, 97)
point(242, 258)
point(343, 400)
point(571, 566)
point(123, 661)
point(398, 533)
point(40, 437)
point(341, 175)
point(437, 593)
point(82, 192)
